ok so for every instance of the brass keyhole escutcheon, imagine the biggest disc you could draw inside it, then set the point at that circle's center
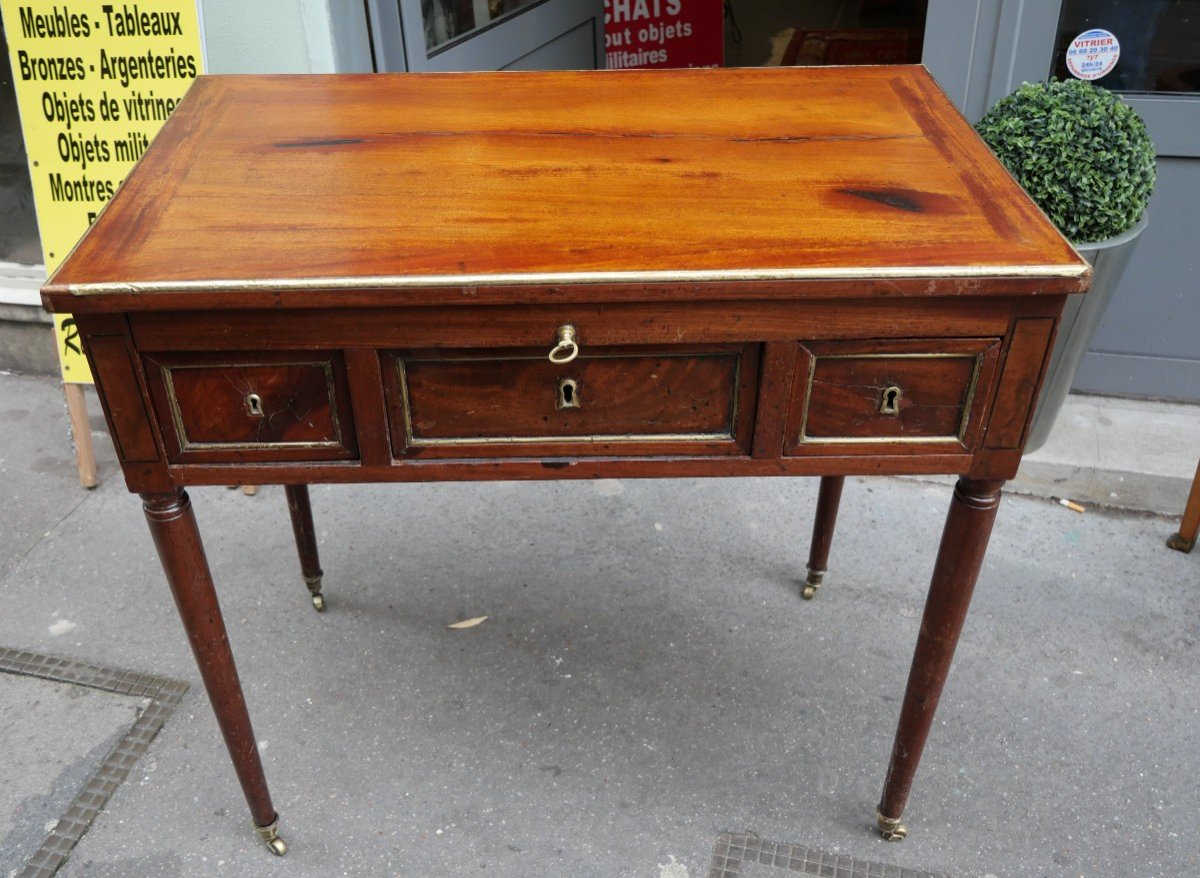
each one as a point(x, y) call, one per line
point(254, 405)
point(889, 400)
point(568, 394)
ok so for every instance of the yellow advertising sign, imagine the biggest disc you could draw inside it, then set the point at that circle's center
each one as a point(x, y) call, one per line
point(95, 81)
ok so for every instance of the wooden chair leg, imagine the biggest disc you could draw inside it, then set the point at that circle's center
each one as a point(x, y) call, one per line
point(1186, 538)
point(306, 541)
point(829, 497)
point(81, 431)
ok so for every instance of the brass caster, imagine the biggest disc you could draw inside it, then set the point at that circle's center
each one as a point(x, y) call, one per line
point(890, 827)
point(814, 582)
point(270, 834)
point(1179, 544)
point(314, 588)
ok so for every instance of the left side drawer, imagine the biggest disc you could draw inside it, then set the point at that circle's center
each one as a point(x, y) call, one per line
point(231, 407)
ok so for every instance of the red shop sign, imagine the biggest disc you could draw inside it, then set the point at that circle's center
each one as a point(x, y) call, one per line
point(663, 33)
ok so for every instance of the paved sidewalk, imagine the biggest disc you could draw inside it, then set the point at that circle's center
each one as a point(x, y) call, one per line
point(647, 678)
point(1118, 453)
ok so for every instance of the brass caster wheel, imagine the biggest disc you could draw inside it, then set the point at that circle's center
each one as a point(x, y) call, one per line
point(1179, 544)
point(808, 593)
point(270, 835)
point(890, 828)
point(814, 582)
point(314, 588)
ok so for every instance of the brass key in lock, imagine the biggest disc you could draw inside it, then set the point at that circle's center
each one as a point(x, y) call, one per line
point(567, 348)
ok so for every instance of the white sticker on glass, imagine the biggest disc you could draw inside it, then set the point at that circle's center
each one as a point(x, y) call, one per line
point(1093, 54)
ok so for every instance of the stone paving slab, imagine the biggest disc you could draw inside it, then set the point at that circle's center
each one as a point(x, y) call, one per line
point(55, 735)
point(43, 732)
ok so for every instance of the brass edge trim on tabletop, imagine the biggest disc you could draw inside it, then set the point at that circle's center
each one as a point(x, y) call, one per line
point(580, 277)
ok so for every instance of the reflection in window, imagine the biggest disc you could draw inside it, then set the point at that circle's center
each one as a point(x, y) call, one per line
point(446, 20)
point(19, 240)
point(1160, 42)
point(817, 32)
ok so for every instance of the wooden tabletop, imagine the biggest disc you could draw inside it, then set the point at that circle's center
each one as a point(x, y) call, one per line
point(411, 184)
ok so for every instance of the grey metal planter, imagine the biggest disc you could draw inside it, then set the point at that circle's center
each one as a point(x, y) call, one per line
point(1080, 319)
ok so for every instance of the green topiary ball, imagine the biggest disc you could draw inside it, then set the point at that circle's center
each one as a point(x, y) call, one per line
point(1080, 152)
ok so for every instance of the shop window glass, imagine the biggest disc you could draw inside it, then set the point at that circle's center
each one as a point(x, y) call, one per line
point(447, 20)
point(1159, 42)
point(19, 240)
point(819, 32)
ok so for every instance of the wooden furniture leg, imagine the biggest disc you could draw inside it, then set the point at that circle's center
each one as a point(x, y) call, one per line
point(829, 497)
point(964, 542)
point(81, 432)
point(1186, 538)
point(306, 541)
point(177, 538)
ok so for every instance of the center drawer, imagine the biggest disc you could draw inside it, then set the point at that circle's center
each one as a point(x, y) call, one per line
point(607, 401)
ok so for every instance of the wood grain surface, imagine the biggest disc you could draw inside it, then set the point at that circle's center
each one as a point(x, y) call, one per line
point(518, 397)
point(636, 401)
point(934, 382)
point(303, 405)
point(492, 182)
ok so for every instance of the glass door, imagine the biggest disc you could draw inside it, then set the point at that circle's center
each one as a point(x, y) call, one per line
point(1147, 344)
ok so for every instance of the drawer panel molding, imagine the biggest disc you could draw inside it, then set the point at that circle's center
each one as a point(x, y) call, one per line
point(865, 394)
point(229, 407)
point(606, 401)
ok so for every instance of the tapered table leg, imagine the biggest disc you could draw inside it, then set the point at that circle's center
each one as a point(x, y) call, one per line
point(306, 541)
point(964, 542)
point(829, 497)
point(177, 538)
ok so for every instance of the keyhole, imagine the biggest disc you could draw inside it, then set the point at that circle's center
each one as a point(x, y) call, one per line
point(568, 394)
point(254, 405)
point(889, 403)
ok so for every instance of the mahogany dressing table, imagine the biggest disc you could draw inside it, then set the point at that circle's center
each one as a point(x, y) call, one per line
point(772, 272)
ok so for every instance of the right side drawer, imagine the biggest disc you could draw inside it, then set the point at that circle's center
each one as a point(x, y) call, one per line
point(919, 395)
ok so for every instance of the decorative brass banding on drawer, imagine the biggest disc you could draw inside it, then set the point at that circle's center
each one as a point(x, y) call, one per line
point(628, 401)
point(902, 392)
point(957, 436)
point(238, 407)
point(413, 440)
point(187, 444)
